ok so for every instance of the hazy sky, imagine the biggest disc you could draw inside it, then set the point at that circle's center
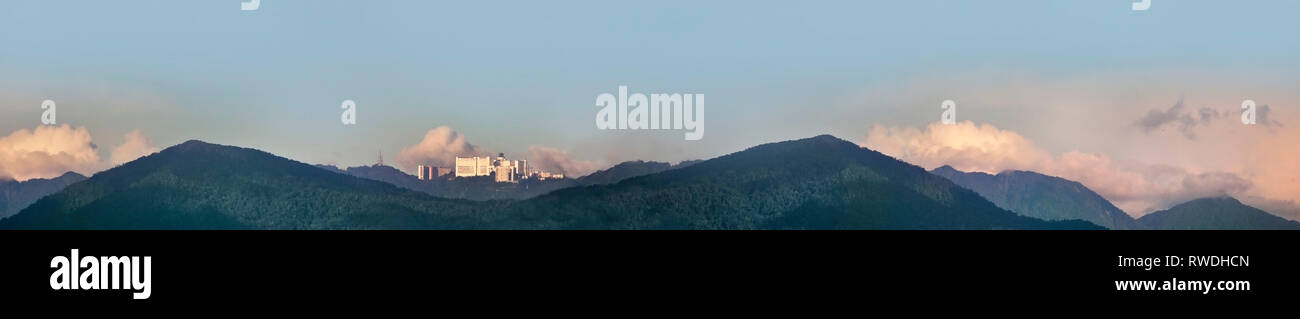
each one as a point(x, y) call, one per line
point(521, 77)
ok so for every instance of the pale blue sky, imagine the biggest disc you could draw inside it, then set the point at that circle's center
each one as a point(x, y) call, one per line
point(513, 74)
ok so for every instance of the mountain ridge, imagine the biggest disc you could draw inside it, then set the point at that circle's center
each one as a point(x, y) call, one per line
point(760, 188)
point(15, 195)
point(1042, 196)
point(1220, 213)
point(196, 185)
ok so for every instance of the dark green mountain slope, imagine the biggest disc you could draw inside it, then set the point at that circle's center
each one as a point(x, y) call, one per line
point(14, 195)
point(1220, 213)
point(814, 183)
point(196, 185)
point(1041, 196)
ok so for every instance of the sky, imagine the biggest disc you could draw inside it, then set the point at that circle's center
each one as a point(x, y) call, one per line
point(1141, 106)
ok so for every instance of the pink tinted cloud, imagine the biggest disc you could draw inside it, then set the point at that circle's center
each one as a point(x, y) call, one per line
point(1138, 188)
point(556, 160)
point(47, 151)
point(438, 147)
point(134, 146)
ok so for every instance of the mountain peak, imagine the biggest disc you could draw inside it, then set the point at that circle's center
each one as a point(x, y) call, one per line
point(1041, 196)
point(1222, 199)
point(380, 168)
point(1220, 212)
point(71, 174)
point(945, 170)
point(949, 172)
point(811, 144)
point(829, 139)
point(197, 148)
point(194, 143)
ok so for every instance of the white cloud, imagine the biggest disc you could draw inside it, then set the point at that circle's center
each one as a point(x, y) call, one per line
point(134, 146)
point(439, 147)
point(555, 160)
point(964, 145)
point(50, 151)
point(47, 151)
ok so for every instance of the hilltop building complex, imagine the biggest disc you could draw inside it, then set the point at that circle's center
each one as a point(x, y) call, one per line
point(501, 169)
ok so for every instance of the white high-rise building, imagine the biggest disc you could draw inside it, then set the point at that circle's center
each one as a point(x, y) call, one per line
point(473, 166)
point(429, 172)
point(504, 169)
point(501, 169)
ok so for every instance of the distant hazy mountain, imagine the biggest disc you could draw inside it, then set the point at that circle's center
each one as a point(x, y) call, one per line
point(1041, 196)
point(1215, 213)
point(382, 173)
point(627, 170)
point(15, 195)
point(815, 183)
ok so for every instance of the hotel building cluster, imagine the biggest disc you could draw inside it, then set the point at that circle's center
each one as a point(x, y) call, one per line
point(501, 169)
